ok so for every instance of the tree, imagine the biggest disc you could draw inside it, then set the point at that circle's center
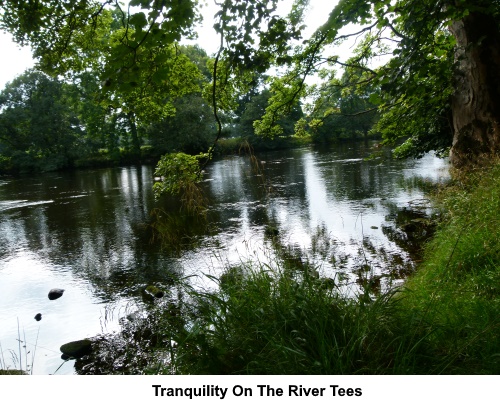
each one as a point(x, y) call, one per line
point(38, 130)
point(97, 123)
point(190, 130)
point(253, 110)
point(149, 79)
point(442, 79)
point(475, 103)
point(343, 107)
point(445, 51)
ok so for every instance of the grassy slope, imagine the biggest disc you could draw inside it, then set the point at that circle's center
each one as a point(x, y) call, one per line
point(455, 295)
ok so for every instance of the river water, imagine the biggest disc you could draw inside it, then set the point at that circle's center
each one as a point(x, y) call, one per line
point(89, 232)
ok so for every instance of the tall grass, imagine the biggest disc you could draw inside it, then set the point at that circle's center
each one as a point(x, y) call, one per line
point(457, 288)
point(17, 358)
point(272, 320)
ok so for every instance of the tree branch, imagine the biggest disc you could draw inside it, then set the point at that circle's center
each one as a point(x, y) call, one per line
point(214, 102)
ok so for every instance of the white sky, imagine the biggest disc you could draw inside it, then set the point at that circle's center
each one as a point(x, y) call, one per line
point(316, 15)
point(17, 60)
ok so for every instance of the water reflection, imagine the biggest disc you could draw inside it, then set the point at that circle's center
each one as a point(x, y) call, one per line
point(89, 232)
point(85, 232)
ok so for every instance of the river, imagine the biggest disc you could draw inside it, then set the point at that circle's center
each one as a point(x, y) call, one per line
point(89, 232)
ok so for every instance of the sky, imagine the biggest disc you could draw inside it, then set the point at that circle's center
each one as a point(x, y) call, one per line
point(17, 60)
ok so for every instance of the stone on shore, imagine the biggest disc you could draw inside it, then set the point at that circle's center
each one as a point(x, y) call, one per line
point(55, 293)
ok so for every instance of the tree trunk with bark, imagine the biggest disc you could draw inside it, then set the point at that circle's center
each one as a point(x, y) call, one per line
point(476, 101)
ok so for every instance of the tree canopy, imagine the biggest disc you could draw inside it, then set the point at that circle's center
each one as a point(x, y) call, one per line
point(37, 126)
point(439, 88)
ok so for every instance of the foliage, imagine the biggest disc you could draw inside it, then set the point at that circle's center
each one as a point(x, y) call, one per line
point(456, 287)
point(62, 33)
point(113, 115)
point(38, 130)
point(255, 35)
point(190, 130)
point(101, 129)
point(253, 110)
point(415, 85)
point(418, 109)
point(421, 57)
point(135, 55)
point(149, 82)
point(343, 108)
point(178, 171)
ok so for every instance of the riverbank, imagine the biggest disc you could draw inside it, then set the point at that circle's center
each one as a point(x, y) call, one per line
point(286, 319)
point(453, 300)
point(225, 147)
point(148, 154)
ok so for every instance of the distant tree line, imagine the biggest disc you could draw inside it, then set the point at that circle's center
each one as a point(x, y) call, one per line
point(49, 123)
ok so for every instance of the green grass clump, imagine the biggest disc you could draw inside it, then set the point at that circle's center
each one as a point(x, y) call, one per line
point(457, 288)
point(266, 320)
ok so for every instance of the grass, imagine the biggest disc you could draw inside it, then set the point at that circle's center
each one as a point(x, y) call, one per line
point(457, 287)
point(275, 323)
point(17, 358)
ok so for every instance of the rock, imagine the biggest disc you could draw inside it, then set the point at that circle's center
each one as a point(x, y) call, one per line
point(76, 349)
point(38, 317)
point(55, 293)
point(154, 292)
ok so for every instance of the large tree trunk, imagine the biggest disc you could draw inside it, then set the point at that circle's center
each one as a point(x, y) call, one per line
point(476, 102)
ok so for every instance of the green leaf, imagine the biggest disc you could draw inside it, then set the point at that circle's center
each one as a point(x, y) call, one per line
point(139, 20)
point(375, 98)
point(142, 3)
